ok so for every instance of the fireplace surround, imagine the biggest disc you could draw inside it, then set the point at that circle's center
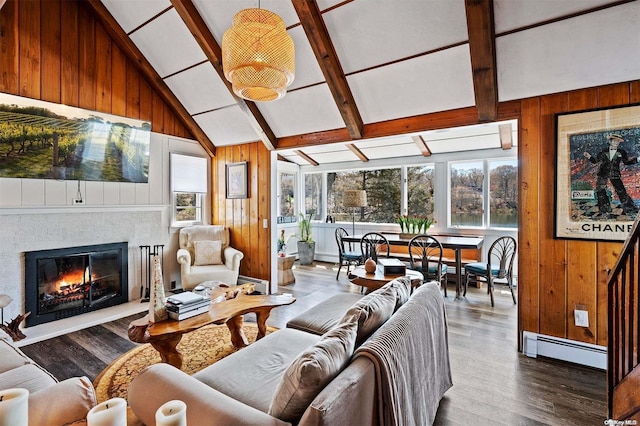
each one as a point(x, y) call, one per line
point(65, 282)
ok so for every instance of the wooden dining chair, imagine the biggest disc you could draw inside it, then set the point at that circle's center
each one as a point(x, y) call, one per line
point(372, 245)
point(346, 254)
point(498, 269)
point(425, 256)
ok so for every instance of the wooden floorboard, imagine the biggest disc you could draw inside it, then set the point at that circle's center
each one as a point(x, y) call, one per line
point(493, 384)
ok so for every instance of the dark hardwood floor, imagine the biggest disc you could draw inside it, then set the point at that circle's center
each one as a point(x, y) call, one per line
point(493, 384)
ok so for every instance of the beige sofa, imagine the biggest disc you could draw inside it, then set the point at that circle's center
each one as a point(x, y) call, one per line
point(200, 261)
point(344, 376)
point(50, 402)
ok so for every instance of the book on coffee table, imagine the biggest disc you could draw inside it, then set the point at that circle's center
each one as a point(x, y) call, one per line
point(189, 313)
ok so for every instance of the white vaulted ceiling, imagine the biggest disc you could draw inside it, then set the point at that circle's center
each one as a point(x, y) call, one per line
point(394, 59)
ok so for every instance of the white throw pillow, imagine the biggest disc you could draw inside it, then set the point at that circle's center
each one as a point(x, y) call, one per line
point(208, 253)
point(308, 374)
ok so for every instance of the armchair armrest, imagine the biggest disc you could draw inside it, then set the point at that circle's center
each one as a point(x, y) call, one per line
point(232, 258)
point(160, 383)
point(184, 258)
point(62, 403)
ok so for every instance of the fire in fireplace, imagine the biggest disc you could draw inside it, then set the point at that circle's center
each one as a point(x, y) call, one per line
point(70, 281)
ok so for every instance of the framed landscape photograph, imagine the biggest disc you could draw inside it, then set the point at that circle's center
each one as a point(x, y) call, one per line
point(237, 180)
point(597, 188)
point(44, 140)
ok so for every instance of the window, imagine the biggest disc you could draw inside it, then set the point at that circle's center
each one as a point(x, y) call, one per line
point(188, 187)
point(287, 195)
point(466, 194)
point(420, 181)
point(313, 195)
point(503, 194)
point(383, 195)
point(188, 207)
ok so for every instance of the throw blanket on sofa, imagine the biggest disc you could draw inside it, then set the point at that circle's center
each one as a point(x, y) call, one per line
point(411, 357)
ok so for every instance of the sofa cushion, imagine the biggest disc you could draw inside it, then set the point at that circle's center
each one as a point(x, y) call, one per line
point(208, 253)
point(11, 356)
point(45, 406)
point(29, 376)
point(313, 370)
point(252, 374)
point(325, 315)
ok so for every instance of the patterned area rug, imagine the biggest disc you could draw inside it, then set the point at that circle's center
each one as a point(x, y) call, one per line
point(199, 349)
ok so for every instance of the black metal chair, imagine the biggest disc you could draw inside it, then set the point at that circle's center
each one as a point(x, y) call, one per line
point(498, 269)
point(372, 245)
point(346, 255)
point(425, 256)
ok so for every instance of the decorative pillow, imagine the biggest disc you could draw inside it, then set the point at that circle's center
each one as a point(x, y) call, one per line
point(308, 374)
point(62, 403)
point(373, 310)
point(208, 253)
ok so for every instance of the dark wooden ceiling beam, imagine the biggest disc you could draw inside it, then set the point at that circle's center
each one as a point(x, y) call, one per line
point(307, 158)
point(123, 41)
point(422, 145)
point(357, 152)
point(481, 30)
point(316, 31)
point(401, 126)
point(198, 28)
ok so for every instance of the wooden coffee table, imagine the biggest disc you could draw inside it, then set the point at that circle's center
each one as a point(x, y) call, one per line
point(165, 335)
point(375, 280)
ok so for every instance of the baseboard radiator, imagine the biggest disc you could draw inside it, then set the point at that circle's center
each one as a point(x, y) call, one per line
point(261, 285)
point(534, 345)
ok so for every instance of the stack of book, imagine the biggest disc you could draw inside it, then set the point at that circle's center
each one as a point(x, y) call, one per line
point(186, 305)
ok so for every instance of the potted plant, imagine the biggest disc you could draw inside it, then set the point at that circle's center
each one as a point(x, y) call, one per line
point(415, 225)
point(306, 245)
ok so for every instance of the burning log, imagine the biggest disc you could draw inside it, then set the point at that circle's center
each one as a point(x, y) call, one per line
point(12, 327)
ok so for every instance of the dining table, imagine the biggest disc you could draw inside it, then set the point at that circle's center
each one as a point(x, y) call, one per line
point(457, 243)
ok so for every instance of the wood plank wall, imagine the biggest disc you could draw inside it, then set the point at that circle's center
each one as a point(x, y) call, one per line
point(245, 216)
point(56, 51)
point(555, 275)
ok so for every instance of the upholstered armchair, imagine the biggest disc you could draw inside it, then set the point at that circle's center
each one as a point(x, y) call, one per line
point(205, 255)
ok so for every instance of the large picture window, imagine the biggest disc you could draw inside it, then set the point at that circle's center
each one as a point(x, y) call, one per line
point(466, 194)
point(287, 195)
point(420, 184)
point(313, 195)
point(503, 194)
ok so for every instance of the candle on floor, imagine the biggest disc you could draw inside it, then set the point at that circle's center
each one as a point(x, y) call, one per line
point(172, 413)
point(109, 413)
point(14, 408)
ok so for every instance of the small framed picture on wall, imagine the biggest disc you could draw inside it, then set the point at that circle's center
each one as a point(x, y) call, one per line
point(237, 180)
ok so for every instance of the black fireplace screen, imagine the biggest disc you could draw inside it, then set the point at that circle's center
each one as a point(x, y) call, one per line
point(65, 282)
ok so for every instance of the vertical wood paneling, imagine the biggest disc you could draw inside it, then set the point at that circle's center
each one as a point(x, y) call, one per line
point(9, 48)
point(157, 124)
point(582, 260)
point(103, 70)
point(264, 209)
point(69, 41)
point(133, 91)
point(553, 256)
point(252, 212)
point(118, 82)
point(528, 205)
point(87, 49)
point(51, 50)
point(29, 62)
point(146, 101)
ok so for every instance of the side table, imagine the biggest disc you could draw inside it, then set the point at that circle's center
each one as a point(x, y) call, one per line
point(285, 274)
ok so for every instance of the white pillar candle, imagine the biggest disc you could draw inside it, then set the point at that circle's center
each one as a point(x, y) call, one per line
point(172, 413)
point(14, 408)
point(109, 413)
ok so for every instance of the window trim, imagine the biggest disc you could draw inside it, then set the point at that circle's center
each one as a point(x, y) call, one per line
point(175, 208)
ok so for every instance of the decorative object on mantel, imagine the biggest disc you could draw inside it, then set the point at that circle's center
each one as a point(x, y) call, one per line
point(13, 327)
point(370, 265)
point(414, 225)
point(5, 300)
point(354, 198)
point(157, 308)
point(146, 255)
point(258, 56)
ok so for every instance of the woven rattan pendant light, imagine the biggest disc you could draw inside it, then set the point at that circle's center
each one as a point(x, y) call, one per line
point(258, 56)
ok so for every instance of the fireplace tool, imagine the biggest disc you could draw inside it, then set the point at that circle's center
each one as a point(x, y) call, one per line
point(146, 255)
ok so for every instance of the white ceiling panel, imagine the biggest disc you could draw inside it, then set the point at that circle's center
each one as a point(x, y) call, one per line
point(307, 69)
point(486, 141)
point(513, 14)
point(398, 148)
point(133, 13)
point(302, 111)
point(200, 89)
point(167, 44)
point(436, 82)
point(367, 36)
point(570, 54)
point(218, 14)
point(227, 126)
